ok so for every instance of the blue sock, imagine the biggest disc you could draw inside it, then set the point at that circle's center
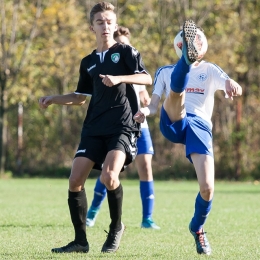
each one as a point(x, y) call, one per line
point(147, 197)
point(100, 192)
point(202, 209)
point(180, 76)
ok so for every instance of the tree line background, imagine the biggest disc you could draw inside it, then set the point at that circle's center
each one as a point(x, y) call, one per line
point(43, 42)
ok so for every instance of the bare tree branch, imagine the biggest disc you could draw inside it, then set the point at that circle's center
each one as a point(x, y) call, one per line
point(121, 9)
point(28, 42)
point(201, 17)
point(3, 35)
point(13, 29)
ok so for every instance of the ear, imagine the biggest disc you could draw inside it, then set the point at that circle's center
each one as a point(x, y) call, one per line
point(116, 27)
point(91, 29)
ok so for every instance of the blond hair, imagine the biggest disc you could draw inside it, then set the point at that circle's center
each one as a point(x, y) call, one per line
point(100, 7)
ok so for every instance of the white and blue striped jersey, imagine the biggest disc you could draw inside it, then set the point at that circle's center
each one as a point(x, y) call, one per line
point(205, 79)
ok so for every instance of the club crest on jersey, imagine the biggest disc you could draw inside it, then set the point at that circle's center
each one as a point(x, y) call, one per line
point(115, 57)
point(202, 77)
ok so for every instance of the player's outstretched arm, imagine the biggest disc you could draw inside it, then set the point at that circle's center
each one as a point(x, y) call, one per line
point(139, 79)
point(233, 88)
point(150, 110)
point(68, 99)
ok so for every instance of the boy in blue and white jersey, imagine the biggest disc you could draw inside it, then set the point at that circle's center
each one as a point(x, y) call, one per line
point(189, 87)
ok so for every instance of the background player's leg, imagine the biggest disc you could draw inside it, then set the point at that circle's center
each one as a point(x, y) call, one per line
point(144, 167)
point(100, 192)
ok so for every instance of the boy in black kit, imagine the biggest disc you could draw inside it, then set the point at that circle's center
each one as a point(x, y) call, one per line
point(109, 133)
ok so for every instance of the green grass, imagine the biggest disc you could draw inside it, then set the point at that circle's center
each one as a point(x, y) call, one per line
point(34, 217)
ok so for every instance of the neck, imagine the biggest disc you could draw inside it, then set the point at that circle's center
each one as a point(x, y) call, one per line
point(196, 63)
point(103, 46)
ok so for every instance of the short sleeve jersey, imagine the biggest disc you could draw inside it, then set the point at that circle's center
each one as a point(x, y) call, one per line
point(111, 109)
point(204, 80)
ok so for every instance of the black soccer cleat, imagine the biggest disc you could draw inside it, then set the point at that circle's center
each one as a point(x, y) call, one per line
point(71, 247)
point(112, 242)
point(189, 49)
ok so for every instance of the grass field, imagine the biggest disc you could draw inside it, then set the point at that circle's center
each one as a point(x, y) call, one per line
point(34, 217)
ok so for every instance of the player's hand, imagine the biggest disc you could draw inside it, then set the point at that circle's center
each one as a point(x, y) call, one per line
point(44, 102)
point(233, 88)
point(109, 80)
point(141, 114)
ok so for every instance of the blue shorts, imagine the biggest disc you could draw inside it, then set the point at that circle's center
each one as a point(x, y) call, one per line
point(144, 142)
point(192, 131)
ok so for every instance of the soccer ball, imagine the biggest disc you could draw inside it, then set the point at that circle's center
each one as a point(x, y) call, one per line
point(178, 44)
point(201, 43)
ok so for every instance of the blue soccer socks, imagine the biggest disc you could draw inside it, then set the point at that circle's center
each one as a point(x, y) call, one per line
point(202, 209)
point(147, 197)
point(100, 192)
point(180, 76)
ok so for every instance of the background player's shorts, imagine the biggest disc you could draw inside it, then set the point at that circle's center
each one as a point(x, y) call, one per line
point(192, 131)
point(144, 143)
point(96, 148)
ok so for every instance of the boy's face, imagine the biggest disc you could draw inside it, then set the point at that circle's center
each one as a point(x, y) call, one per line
point(122, 39)
point(104, 25)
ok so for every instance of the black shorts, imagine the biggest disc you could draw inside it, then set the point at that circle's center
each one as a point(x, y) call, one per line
point(96, 148)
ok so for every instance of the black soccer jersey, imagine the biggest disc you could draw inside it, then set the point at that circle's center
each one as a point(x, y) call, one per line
point(111, 109)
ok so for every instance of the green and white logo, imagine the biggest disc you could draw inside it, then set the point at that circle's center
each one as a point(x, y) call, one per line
point(115, 57)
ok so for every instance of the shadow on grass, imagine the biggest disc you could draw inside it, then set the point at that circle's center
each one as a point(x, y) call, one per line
point(237, 191)
point(31, 225)
point(115, 256)
point(12, 256)
point(42, 256)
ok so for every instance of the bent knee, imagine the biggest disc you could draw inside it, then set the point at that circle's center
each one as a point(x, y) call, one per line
point(207, 192)
point(109, 179)
point(75, 184)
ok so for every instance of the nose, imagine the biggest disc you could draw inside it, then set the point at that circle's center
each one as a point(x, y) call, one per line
point(105, 25)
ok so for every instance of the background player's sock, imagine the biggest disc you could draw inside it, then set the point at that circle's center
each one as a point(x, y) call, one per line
point(147, 197)
point(100, 192)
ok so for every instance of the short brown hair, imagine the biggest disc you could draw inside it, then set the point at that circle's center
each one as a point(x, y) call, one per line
point(122, 31)
point(100, 7)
